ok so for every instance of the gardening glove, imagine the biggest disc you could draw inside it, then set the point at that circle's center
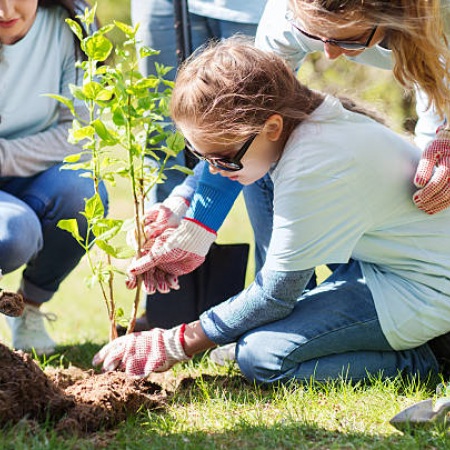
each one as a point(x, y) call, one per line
point(139, 354)
point(177, 251)
point(155, 280)
point(433, 175)
point(158, 218)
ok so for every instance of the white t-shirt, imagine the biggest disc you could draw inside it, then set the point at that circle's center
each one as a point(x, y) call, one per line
point(343, 189)
point(248, 11)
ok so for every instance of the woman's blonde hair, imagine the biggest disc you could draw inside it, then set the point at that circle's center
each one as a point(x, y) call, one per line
point(229, 89)
point(414, 32)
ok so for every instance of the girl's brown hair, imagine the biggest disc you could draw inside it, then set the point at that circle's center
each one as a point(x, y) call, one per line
point(414, 32)
point(230, 88)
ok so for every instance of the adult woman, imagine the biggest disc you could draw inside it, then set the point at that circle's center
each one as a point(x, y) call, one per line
point(391, 294)
point(37, 57)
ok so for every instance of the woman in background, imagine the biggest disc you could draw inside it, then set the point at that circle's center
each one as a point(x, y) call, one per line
point(37, 57)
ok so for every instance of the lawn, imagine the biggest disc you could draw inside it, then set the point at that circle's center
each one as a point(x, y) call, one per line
point(214, 407)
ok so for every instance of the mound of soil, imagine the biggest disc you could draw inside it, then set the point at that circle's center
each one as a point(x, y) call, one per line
point(76, 401)
point(11, 303)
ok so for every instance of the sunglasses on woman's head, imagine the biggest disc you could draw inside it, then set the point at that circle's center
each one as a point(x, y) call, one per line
point(345, 45)
point(228, 164)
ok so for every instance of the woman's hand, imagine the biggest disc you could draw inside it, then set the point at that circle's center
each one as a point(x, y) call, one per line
point(433, 175)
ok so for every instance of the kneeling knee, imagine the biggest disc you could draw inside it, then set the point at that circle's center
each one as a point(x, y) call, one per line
point(257, 363)
point(20, 240)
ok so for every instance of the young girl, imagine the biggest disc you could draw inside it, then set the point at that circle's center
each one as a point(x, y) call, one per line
point(245, 113)
point(408, 37)
point(37, 57)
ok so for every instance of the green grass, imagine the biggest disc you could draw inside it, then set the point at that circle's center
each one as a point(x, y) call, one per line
point(219, 410)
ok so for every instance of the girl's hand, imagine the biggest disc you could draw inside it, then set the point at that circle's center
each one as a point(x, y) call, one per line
point(433, 175)
point(175, 252)
point(140, 354)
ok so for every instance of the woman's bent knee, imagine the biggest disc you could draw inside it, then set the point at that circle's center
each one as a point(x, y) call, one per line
point(20, 235)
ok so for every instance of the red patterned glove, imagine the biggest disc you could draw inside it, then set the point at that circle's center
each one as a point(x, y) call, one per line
point(176, 252)
point(155, 280)
point(139, 354)
point(161, 216)
point(433, 175)
point(158, 218)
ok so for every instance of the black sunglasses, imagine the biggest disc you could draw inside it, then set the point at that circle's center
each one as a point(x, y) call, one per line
point(228, 164)
point(345, 45)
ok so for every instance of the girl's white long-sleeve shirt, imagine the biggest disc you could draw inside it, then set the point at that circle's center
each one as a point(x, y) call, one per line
point(34, 127)
point(343, 189)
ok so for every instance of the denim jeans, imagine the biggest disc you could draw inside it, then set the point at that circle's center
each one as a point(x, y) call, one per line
point(156, 30)
point(332, 332)
point(30, 209)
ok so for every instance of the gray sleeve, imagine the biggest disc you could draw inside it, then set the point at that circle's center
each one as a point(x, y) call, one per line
point(29, 155)
point(272, 296)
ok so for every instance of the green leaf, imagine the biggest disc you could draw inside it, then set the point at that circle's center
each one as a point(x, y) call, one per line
point(77, 92)
point(103, 132)
point(94, 208)
point(106, 28)
point(64, 100)
point(104, 95)
point(175, 141)
point(119, 118)
point(73, 158)
point(147, 83)
point(70, 225)
point(89, 14)
point(108, 249)
point(129, 31)
point(91, 89)
point(183, 169)
point(76, 28)
point(98, 47)
point(83, 133)
point(145, 51)
point(105, 229)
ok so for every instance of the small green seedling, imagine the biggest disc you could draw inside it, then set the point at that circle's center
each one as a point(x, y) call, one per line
point(126, 120)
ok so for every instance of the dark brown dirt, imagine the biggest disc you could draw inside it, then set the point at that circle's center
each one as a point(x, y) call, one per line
point(11, 303)
point(76, 401)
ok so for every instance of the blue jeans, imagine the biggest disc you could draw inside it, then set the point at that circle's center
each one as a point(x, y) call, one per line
point(156, 30)
point(30, 209)
point(332, 332)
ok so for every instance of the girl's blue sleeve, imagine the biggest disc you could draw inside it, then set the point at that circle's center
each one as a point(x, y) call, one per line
point(213, 198)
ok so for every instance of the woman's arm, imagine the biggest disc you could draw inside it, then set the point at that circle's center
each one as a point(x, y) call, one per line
point(29, 155)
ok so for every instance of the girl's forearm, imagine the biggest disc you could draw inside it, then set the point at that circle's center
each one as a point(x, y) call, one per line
point(195, 340)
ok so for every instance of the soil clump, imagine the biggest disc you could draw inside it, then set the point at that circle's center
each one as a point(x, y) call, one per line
point(11, 303)
point(76, 401)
